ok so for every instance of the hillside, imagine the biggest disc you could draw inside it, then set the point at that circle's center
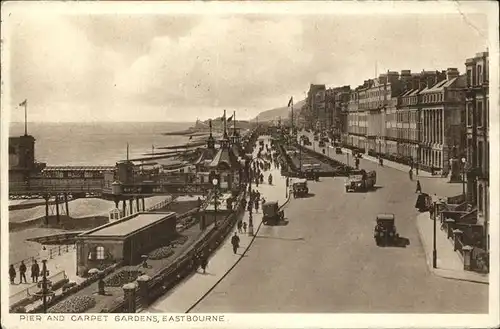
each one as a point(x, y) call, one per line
point(282, 112)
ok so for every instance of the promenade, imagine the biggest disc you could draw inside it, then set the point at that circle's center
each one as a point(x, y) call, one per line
point(191, 291)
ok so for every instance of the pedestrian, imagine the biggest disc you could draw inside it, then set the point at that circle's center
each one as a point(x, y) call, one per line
point(410, 173)
point(256, 205)
point(22, 272)
point(419, 187)
point(235, 241)
point(35, 271)
point(204, 262)
point(12, 274)
point(245, 227)
point(240, 226)
point(244, 203)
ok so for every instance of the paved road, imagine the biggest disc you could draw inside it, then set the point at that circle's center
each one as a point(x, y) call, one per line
point(325, 259)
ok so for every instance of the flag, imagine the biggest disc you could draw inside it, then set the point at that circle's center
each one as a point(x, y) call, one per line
point(23, 103)
point(290, 102)
point(230, 118)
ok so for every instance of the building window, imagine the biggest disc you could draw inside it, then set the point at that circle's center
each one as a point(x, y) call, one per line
point(479, 74)
point(480, 148)
point(480, 197)
point(99, 252)
point(469, 114)
point(480, 113)
point(469, 77)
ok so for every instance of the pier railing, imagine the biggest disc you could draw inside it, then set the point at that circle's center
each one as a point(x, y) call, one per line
point(51, 252)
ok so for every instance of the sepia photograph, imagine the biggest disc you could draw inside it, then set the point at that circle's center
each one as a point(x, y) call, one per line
point(236, 164)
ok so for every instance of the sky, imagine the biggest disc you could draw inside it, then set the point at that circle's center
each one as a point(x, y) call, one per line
point(165, 67)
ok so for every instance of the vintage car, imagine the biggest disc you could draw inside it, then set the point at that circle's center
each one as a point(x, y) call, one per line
point(299, 187)
point(272, 213)
point(321, 143)
point(360, 180)
point(338, 150)
point(316, 138)
point(385, 233)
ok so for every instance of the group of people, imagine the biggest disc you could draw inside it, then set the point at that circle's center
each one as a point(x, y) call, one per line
point(35, 272)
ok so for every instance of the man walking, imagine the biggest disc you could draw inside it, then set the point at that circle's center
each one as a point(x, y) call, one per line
point(410, 173)
point(35, 271)
point(203, 262)
point(245, 227)
point(12, 274)
point(22, 273)
point(240, 226)
point(419, 187)
point(235, 241)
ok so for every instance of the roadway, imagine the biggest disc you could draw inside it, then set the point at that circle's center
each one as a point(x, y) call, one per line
point(325, 259)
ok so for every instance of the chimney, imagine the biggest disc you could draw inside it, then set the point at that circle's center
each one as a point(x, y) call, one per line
point(451, 73)
point(382, 78)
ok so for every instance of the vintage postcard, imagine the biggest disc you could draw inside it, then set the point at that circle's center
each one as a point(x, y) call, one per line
point(250, 164)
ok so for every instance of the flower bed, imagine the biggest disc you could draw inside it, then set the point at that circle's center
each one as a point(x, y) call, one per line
point(162, 252)
point(122, 277)
point(75, 304)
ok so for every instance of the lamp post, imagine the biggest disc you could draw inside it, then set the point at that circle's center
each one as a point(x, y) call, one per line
point(250, 219)
point(215, 182)
point(463, 177)
point(418, 159)
point(434, 251)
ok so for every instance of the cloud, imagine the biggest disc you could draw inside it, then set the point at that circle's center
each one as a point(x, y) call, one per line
point(161, 67)
point(223, 62)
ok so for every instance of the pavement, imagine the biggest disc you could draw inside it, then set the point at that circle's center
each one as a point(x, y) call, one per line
point(449, 262)
point(191, 291)
point(326, 261)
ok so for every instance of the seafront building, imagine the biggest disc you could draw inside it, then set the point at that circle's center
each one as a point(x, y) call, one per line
point(477, 156)
point(435, 121)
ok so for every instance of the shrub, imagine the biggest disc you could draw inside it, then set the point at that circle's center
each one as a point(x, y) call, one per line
point(162, 252)
point(18, 309)
point(122, 277)
point(75, 304)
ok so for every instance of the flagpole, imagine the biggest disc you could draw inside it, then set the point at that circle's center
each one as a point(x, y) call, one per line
point(26, 118)
point(292, 116)
point(225, 131)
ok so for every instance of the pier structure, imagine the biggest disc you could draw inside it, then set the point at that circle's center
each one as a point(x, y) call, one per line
point(123, 183)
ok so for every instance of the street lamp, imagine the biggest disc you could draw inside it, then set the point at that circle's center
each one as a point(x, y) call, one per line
point(215, 182)
point(463, 177)
point(418, 159)
point(434, 250)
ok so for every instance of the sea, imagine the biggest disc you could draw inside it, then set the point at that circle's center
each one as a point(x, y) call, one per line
point(100, 143)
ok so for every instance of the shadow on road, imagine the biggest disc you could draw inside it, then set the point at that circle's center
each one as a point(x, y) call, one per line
point(399, 242)
point(375, 188)
point(277, 238)
point(305, 196)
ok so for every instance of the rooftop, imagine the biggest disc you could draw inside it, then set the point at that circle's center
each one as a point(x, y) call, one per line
point(128, 226)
